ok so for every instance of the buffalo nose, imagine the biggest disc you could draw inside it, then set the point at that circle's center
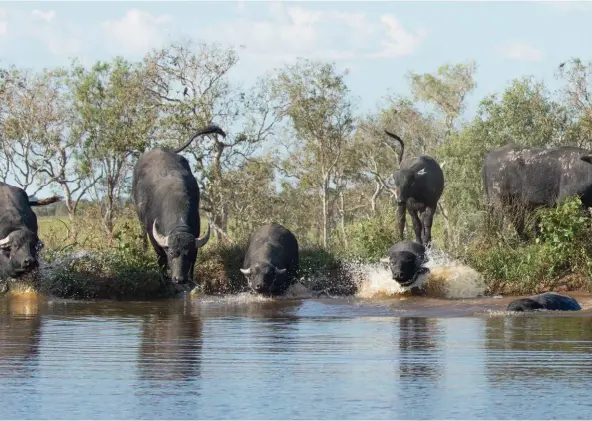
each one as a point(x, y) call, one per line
point(257, 286)
point(27, 263)
point(397, 275)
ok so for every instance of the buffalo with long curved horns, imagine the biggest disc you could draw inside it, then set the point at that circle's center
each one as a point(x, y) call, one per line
point(19, 240)
point(166, 198)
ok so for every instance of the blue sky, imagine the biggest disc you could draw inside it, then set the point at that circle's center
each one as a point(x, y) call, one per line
point(378, 41)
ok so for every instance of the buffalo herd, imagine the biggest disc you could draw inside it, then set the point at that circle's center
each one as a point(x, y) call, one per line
point(166, 194)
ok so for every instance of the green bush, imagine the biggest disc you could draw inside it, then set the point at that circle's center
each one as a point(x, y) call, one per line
point(561, 248)
point(369, 240)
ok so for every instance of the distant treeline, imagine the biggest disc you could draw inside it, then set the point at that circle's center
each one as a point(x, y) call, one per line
point(79, 130)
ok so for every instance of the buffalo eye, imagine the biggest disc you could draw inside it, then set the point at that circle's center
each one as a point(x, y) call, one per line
point(40, 245)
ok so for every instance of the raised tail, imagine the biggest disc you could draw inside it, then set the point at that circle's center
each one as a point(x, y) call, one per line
point(212, 128)
point(398, 139)
point(44, 202)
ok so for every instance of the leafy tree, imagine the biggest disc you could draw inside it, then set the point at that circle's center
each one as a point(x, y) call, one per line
point(115, 120)
point(316, 100)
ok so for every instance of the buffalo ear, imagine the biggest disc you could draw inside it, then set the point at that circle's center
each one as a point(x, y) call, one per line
point(587, 158)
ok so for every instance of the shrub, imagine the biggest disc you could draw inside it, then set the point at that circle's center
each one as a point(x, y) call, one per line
point(369, 239)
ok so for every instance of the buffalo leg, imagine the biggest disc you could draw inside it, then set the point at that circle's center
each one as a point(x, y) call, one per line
point(417, 226)
point(518, 221)
point(162, 267)
point(428, 219)
point(401, 209)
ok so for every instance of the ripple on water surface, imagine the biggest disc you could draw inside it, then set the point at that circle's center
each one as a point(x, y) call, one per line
point(257, 358)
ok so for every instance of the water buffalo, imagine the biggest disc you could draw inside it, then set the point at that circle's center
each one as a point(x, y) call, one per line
point(19, 242)
point(406, 260)
point(271, 260)
point(546, 301)
point(166, 198)
point(518, 180)
point(419, 183)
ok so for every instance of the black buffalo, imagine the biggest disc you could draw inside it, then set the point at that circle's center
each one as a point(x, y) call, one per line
point(518, 180)
point(166, 197)
point(406, 260)
point(546, 301)
point(271, 260)
point(419, 183)
point(19, 242)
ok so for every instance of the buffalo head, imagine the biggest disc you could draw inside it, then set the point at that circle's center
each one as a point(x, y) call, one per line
point(265, 278)
point(181, 252)
point(406, 264)
point(18, 252)
point(524, 304)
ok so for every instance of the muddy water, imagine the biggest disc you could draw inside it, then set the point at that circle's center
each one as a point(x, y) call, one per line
point(241, 357)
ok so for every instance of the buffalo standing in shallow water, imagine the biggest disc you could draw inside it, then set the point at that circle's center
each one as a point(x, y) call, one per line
point(166, 197)
point(271, 259)
point(419, 183)
point(19, 241)
point(519, 180)
point(546, 301)
point(406, 260)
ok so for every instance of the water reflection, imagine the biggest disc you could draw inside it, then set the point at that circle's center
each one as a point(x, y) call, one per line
point(20, 332)
point(170, 343)
point(242, 357)
point(524, 347)
point(420, 354)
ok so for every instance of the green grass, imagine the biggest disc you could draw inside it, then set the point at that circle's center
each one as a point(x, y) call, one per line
point(120, 269)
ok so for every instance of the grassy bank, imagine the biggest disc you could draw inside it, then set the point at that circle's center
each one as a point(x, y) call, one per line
point(85, 263)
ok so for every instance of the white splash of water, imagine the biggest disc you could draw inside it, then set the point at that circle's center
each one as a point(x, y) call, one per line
point(448, 278)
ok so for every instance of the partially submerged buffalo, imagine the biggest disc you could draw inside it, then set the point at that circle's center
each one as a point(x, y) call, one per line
point(19, 241)
point(406, 260)
point(517, 180)
point(419, 183)
point(271, 260)
point(166, 197)
point(546, 301)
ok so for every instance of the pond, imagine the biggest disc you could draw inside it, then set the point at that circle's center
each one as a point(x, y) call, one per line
point(332, 358)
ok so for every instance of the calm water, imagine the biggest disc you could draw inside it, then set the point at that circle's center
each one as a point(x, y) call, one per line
point(336, 358)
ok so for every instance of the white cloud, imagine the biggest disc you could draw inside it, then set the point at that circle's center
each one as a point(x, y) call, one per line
point(58, 38)
point(137, 31)
point(520, 51)
point(292, 31)
point(46, 16)
point(3, 23)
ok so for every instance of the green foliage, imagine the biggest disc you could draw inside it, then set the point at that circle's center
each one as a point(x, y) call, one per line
point(369, 239)
point(562, 248)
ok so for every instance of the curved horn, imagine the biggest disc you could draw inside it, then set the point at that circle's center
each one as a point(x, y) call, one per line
point(280, 271)
point(385, 260)
point(5, 241)
point(201, 241)
point(398, 139)
point(160, 239)
point(245, 271)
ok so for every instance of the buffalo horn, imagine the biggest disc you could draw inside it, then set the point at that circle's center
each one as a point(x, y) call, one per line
point(201, 241)
point(5, 241)
point(160, 239)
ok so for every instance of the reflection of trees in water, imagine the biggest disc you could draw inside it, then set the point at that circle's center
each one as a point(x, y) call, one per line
point(419, 353)
point(171, 343)
point(20, 334)
point(538, 346)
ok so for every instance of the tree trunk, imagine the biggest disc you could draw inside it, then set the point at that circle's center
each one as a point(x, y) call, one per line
point(342, 211)
point(325, 214)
